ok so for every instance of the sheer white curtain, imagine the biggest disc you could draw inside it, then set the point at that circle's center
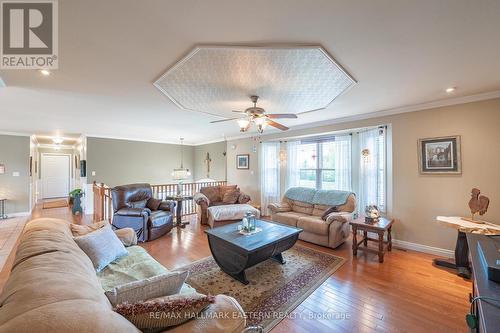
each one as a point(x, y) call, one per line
point(292, 164)
point(269, 175)
point(343, 166)
point(370, 181)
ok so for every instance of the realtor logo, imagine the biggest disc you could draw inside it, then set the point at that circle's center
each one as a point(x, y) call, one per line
point(29, 35)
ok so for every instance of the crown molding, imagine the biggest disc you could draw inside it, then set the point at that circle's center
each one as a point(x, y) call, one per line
point(14, 133)
point(99, 136)
point(381, 113)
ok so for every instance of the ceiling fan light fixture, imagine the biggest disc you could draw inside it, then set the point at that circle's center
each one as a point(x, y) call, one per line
point(259, 121)
point(243, 124)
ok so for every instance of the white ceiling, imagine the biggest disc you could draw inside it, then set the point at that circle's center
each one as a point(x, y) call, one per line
point(216, 79)
point(401, 53)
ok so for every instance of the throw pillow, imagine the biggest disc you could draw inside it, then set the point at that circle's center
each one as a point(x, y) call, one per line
point(231, 197)
point(138, 204)
point(102, 247)
point(153, 203)
point(161, 285)
point(83, 229)
point(333, 209)
point(212, 193)
point(163, 312)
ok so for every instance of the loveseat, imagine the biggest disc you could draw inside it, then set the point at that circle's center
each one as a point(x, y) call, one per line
point(210, 196)
point(134, 207)
point(305, 208)
point(54, 288)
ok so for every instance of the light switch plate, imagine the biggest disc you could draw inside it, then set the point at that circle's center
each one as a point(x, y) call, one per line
point(15, 174)
point(93, 173)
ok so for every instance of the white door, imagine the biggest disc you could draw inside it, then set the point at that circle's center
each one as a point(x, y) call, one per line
point(55, 175)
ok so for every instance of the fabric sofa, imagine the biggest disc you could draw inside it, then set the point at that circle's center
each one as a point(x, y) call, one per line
point(54, 288)
point(134, 207)
point(216, 196)
point(304, 207)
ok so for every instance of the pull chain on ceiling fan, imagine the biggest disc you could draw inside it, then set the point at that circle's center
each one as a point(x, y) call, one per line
point(259, 117)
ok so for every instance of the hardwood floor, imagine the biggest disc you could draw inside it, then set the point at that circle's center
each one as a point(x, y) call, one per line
point(404, 294)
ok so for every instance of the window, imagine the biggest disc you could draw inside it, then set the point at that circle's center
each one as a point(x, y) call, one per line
point(325, 163)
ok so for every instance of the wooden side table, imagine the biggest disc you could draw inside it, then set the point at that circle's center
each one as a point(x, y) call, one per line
point(178, 212)
point(380, 228)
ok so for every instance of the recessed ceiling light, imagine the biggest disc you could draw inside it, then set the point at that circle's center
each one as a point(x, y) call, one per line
point(450, 90)
point(45, 72)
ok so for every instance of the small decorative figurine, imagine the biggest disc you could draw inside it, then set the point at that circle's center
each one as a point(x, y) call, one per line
point(372, 214)
point(477, 204)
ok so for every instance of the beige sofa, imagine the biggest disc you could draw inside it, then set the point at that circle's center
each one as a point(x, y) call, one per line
point(304, 207)
point(53, 287)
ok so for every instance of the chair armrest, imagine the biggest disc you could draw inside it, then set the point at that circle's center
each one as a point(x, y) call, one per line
point(243, 198)
point(279, 207)
point(127, 236)
point(168, 206)
point(201, 199)
point(133, 212)
point(341, 217)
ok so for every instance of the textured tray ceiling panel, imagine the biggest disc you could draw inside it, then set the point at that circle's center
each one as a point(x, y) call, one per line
point(217, 80)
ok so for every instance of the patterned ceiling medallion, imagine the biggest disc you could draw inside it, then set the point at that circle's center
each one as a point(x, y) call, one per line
point(218, 79)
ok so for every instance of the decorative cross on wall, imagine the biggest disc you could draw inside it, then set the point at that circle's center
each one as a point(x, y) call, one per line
point(207, 162)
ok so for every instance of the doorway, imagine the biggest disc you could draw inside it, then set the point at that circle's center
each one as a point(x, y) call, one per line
point(55, 175)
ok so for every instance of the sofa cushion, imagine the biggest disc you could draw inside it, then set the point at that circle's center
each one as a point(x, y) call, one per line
point(212, 193)
point(288, 218)
point(101, 246)
point(313, 224)
point(171, 310)
point(231, 197)
point(302, 207)
point(153, 203)
point(138, 204)
point(165, 284)
point(226, 188)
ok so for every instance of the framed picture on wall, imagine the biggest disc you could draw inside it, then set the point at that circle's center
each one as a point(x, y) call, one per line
point(243, 161)
point(440, 155)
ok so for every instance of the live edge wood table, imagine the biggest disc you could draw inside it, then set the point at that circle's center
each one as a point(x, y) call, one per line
point(380, 228)
point(235, 252)
point(178, 211)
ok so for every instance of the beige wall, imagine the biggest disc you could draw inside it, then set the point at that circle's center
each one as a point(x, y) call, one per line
point(119, 162)
point(247, 180)
point(14, 153)
point(218, 164)
point(418, 199)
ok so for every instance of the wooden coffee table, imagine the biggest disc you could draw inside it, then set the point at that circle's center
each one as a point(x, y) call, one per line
point(234, 252)
point(380, 228)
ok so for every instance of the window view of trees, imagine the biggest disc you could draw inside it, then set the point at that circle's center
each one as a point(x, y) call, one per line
point(317, 165)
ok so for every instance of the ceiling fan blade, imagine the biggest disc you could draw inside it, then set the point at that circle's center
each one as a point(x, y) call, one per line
point(277, 125)
point(236, 111)
point(281, 115)
point(220, 121)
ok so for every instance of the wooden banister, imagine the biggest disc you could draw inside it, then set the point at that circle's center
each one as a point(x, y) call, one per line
point(103, 208)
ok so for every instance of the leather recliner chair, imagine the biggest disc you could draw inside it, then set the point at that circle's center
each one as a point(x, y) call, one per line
point(134, 207)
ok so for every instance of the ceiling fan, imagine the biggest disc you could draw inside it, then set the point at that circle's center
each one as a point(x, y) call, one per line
point(258, 116)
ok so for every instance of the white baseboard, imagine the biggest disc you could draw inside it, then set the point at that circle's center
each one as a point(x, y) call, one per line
point(19, 214)
point(423, 248)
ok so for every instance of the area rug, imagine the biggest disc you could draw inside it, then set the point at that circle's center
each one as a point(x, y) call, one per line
point(274, 289)
point(55, 204)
